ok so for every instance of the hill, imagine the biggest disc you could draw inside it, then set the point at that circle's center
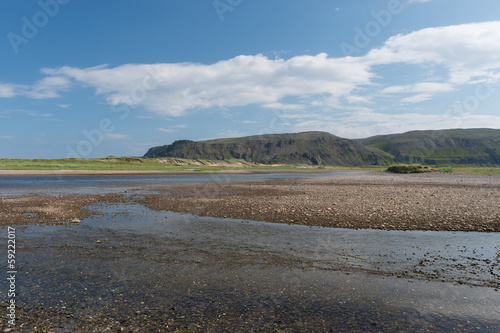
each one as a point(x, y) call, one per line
point(316, 148)
point(476, 147)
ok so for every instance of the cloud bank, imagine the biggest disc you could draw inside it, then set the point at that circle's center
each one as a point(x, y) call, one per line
point(172, 89)
point(468, 53)
point(464, 54)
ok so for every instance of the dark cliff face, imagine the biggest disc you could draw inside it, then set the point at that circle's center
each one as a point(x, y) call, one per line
point(480, 147)
point(316, 148)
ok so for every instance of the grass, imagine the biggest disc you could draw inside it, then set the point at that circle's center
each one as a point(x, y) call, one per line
point(109, 164)
point(477, 171)
point(113, 163)
point(412, 168)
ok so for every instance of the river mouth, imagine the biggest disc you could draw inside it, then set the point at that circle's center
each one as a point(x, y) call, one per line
point(96, 184)
point(126, 266)
point(134, 268)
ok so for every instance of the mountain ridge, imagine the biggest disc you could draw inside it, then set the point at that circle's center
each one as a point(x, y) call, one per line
point(476, 147)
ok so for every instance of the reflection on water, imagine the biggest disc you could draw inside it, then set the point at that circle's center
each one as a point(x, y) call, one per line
point(16, 185)
point(137, 267)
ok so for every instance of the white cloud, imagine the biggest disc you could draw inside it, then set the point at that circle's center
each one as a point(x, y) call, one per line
point(115, 136)
point(368, 123)
point(173, 129)
point(283, 106)
point(64, 106)
point(168, 130)
point(7, 90)
point(467, 51)
point(24, 112)
point(48, 87)
point(417, 98)
point(172, 89)
point(425, 90)
point(429, 87)
point(356, 99)
point(230, 134)
point(462, 55)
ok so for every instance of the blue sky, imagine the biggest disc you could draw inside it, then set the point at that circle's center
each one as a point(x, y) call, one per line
point(94, 78)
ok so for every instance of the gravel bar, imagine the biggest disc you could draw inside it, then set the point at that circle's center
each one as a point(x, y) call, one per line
point(376, 200)
point(379, 200)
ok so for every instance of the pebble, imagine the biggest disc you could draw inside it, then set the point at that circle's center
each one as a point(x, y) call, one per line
point(367, 201)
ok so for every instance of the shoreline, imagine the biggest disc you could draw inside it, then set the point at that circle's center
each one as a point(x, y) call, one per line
point(206, 274)
point(376, 200)
point(149, 172)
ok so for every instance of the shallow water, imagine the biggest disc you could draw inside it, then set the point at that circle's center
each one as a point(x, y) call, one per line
point(203, 274)
point(134, 267)
point(74, 184)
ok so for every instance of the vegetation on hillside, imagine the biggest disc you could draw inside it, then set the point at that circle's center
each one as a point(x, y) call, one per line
point(455, 147)
point(313, 148)
point(458, 147)
point(474, 151)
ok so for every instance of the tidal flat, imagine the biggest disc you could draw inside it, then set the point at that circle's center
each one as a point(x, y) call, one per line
point(132, 264)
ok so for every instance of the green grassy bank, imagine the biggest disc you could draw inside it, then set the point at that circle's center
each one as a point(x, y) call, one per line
point(179, 164)
point(163, 164)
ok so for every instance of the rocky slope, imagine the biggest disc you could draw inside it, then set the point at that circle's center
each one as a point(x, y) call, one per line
point(316, 148)
point(476, 147)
